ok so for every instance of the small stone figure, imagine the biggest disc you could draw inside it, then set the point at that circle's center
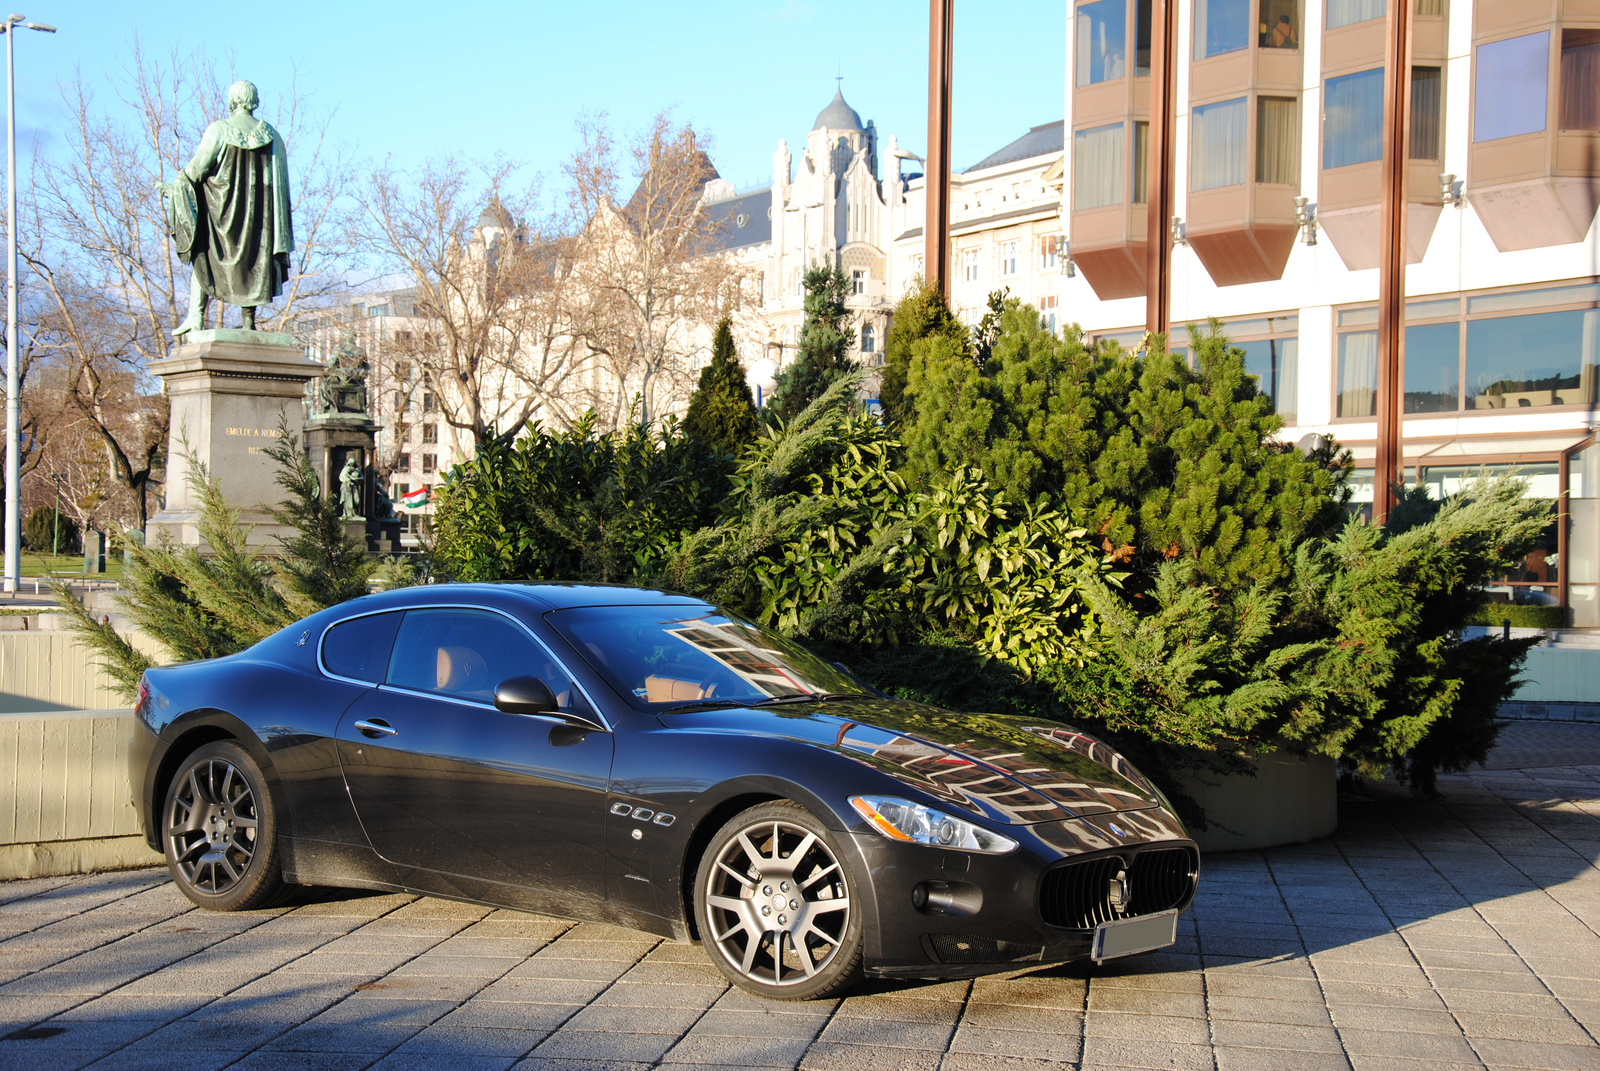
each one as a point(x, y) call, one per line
point(228, 213)
point(351, 480)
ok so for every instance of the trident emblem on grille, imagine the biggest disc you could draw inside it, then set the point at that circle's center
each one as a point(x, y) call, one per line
point(1118, 893)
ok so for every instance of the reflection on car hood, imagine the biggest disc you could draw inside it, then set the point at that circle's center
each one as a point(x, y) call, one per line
point(1019, 771)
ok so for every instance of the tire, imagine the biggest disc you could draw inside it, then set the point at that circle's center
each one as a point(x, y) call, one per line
point(220, 833)
point(777, 905)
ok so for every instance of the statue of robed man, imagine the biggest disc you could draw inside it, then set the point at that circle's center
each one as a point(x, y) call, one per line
point(228, 213)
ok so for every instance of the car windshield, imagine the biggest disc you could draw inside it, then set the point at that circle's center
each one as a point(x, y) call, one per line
point(660, 657)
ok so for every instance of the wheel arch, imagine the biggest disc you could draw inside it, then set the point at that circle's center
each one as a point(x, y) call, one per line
point(192, 732)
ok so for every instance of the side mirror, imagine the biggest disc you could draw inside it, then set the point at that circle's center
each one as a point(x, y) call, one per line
point(531, 695)
point(525, 695)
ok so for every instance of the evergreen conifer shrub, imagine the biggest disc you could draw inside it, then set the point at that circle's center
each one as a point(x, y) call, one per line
point(722, 411)
point(40, 534)
point(825, 342)
point(921, 314)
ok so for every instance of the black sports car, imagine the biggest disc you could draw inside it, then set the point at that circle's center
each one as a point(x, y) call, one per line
point(645, 759)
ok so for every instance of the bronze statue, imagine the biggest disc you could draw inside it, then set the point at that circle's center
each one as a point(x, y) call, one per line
point(228, 213)
point(343, 387)
point(351, 481)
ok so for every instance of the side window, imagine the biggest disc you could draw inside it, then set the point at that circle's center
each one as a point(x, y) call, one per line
point(467, 653)
point(360, 648)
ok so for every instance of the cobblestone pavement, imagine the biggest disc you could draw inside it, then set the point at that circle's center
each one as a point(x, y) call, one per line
point(1459, 933)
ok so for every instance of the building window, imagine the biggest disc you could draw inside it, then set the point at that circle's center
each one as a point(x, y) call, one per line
point(969, 265)
point(858, 281)
point(1348, 12)
point(1219, 140)
point(1097, 167)
point(1141, 38)
point(1141, 163)
point(402, 463)
point(1433, 368)
point(1518, 350)
point(1280, 24)
point(1220, 26)
point(1048, 245)
point(1580, 80)
point(1277, 140)
point(1352, 119)
point(1047, 312)
point(430, 433)
point(1358, 375)
point(797, 284)
point(1008, 257)
point(1101, 42)
point(400, 490)
point(1510, 91)
point(430, 464)
point(869, 339)
point(1427, 99)
point(429, 402)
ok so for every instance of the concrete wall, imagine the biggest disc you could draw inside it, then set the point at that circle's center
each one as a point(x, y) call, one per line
point(1288, 801)
point(51, 670)
point(65, 802)
point(1557, 676)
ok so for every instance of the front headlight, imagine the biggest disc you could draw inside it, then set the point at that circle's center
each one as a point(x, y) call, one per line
point(913, 823)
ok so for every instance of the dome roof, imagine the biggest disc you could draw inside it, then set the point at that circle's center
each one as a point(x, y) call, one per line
point(838, 115)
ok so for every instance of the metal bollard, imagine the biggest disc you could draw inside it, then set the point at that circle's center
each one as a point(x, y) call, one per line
point(1505, 628)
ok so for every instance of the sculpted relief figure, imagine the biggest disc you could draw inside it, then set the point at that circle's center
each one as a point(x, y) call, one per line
point(228, 213)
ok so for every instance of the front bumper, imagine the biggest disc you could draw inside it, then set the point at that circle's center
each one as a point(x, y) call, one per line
point(984, 914)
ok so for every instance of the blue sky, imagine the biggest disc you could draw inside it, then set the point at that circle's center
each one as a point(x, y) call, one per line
point(414, 80)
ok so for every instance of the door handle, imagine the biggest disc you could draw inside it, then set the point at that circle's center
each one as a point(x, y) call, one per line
point(376, 728)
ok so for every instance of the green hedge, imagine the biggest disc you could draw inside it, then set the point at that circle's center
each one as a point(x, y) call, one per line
point(1495, 614)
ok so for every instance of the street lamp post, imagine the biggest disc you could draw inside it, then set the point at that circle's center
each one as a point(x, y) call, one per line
point(55, 540)
point(13, 577)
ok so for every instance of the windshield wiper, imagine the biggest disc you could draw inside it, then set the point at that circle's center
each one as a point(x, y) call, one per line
point(705, 704)
point(811, 697)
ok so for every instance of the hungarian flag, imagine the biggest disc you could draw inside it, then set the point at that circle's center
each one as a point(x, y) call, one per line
point(415, 499)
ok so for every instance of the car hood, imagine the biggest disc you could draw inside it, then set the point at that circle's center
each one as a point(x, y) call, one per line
point(1015, 770)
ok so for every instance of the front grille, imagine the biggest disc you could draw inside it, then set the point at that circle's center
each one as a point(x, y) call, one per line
point(970, 948)
point(1076, 895)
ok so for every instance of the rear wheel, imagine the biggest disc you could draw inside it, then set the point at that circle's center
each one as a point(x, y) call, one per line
point(219, 831)
point(776, 905)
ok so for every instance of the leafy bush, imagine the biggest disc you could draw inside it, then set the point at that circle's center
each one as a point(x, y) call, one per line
point(40, 534)
point(1495, 614)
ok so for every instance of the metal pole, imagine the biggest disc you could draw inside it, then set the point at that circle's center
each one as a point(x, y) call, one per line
point(936, 224)
point(1392, 258)
point(1158, 167)
point(13, 575)
point(55, 539)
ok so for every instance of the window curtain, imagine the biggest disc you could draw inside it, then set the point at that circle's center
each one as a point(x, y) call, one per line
point(1426, 90)
point(1428, 7)
point(1141, 163)
point(1286, 396)
point(1219, 140)
point(1580, 80)
point(1277, 140)
point(1345, 12)
point(1101, 42)
point(1352, 118)
point(1590, 366)
point(1097, 167)
point(1358, 374)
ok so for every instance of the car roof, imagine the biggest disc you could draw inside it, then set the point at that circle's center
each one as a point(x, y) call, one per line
point(544, 597)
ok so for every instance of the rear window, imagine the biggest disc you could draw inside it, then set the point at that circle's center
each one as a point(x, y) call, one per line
point(359, 648)
point(661, 656)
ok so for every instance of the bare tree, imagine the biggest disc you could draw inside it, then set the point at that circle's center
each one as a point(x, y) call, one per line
point(112, 288)
point(498, 349)
point(652, 279)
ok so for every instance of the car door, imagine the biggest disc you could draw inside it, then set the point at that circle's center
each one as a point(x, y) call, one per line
point(446, 784)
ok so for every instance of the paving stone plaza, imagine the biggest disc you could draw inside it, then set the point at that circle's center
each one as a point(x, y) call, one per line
point(1457, 933)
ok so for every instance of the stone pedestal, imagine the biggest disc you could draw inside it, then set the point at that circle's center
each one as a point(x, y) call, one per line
point(331, 439)
point(231, 391)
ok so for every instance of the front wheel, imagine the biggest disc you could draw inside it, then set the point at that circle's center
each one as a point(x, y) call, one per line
point(219, 831)
point(777, 907)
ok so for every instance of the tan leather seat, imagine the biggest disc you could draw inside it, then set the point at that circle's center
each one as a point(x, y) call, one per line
point(461, 669)
point(669, 690)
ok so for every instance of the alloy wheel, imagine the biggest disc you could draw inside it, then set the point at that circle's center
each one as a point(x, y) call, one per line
point(778, 904)
point(212, 820)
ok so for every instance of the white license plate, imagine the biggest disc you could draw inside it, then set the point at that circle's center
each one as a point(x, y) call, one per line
point(1124, 937)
